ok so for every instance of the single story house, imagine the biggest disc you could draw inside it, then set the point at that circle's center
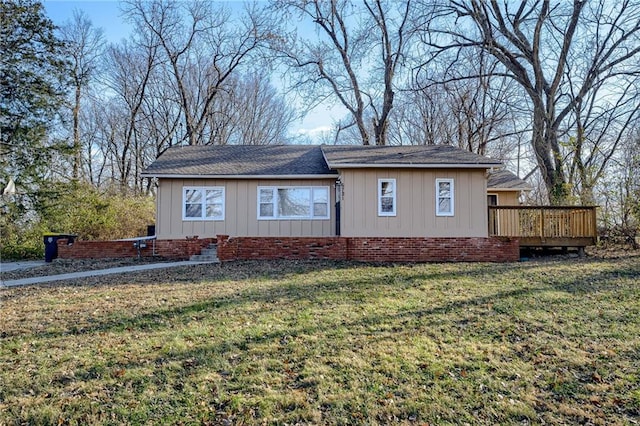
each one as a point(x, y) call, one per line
point(388, 203)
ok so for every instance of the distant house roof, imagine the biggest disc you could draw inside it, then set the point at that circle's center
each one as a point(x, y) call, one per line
point(237, 161)
point(304, 161)
point(505, 180)
point(404, 156)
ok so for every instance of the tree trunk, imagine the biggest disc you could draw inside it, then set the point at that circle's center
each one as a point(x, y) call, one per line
point(77, 153)
point(362, 128)
point(546, 148)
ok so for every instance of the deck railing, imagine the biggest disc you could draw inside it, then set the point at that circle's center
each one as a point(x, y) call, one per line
point(545, 225)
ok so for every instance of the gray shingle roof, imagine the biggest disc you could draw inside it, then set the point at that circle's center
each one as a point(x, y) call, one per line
point(304, 160)
point(240, 160)
point(504, 179)
point(420, 156)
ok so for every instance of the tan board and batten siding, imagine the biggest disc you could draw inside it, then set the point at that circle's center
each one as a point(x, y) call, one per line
point(506, 198)
point(241, 211)
point(416, 209)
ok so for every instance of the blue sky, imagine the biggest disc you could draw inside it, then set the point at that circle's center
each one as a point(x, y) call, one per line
point(106, 14)
point(103, 14)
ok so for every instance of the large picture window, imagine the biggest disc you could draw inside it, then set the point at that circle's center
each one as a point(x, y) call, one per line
point(203, 203)
point(444, 197)
point(293, 202)
point(386, 197)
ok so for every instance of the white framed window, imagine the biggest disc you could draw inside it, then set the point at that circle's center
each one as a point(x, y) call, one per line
point(293, 202)
point(203, 203)
point(386, 197)
point(444, 197)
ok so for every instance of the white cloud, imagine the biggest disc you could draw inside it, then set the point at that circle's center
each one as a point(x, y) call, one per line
point(316, 131)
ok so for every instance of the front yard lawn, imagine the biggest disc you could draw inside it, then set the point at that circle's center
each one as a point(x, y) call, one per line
point(328, 343)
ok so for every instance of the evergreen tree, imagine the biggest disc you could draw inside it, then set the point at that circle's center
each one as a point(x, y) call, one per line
point(32, 83)
point(32, 80)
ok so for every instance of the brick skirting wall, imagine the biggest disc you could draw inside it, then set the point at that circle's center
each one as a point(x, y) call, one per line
point(182, 249)
point(170, 249)
point(370, 249)
point(267, 248)
point(433, 249)
point(333, 248)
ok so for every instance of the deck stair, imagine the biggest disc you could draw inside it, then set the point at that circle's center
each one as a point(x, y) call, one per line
point(209, 254)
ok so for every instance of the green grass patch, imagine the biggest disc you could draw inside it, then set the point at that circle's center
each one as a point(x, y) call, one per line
point(328, 343)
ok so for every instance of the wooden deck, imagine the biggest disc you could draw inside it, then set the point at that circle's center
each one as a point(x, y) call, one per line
point(545, 226)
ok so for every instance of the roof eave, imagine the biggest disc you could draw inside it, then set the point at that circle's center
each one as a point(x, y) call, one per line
point(503, 189)
point(413, 166)
point(191, 176)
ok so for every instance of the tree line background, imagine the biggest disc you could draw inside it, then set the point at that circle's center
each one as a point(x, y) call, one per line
point(548, 87)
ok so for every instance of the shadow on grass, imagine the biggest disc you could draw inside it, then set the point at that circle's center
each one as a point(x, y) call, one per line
point(351, 282)
point(303, 285)
point(452, 315)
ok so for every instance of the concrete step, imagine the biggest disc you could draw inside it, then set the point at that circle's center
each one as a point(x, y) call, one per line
point(204, 258)
point(209, 254)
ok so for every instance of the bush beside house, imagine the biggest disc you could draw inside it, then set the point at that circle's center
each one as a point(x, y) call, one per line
point(73, 208)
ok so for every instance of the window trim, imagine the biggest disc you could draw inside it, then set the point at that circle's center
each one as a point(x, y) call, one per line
point(451, 197)
point(203, 203)
point(275, 192)
point(394, 198)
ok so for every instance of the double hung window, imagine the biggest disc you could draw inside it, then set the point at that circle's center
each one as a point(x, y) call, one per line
point(386, 197)
point(203, 203)
point(293, 202)
point(444, 197)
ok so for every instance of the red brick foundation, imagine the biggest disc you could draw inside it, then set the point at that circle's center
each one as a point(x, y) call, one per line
point(333, 248)
point(268, 248)
point(170, 249)
point(181, 249)
point(370, 249)
point(433, 249)
point(98, 249)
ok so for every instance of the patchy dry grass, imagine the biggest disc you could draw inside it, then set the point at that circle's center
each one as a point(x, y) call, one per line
point(328, 343)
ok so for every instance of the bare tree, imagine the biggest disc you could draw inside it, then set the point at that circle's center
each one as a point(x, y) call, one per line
point(84, 46)
point(477, 110)
point(177, 80)
point(535, 41)
point(619, 197)
point(356, 60)
point(601, 119)
point(130, 71)
point(463, 105)
point(161, 116)
point(256, 114)
point(202, 48)
point(90, 123)
point(418, 118)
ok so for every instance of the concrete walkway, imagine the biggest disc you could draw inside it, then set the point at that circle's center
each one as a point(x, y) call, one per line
point(98, 272)
point(23, 264)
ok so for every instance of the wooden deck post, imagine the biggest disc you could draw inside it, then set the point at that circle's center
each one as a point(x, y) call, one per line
point(542, 225)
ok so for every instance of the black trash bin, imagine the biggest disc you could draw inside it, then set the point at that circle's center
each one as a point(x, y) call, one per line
point(51, 244)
